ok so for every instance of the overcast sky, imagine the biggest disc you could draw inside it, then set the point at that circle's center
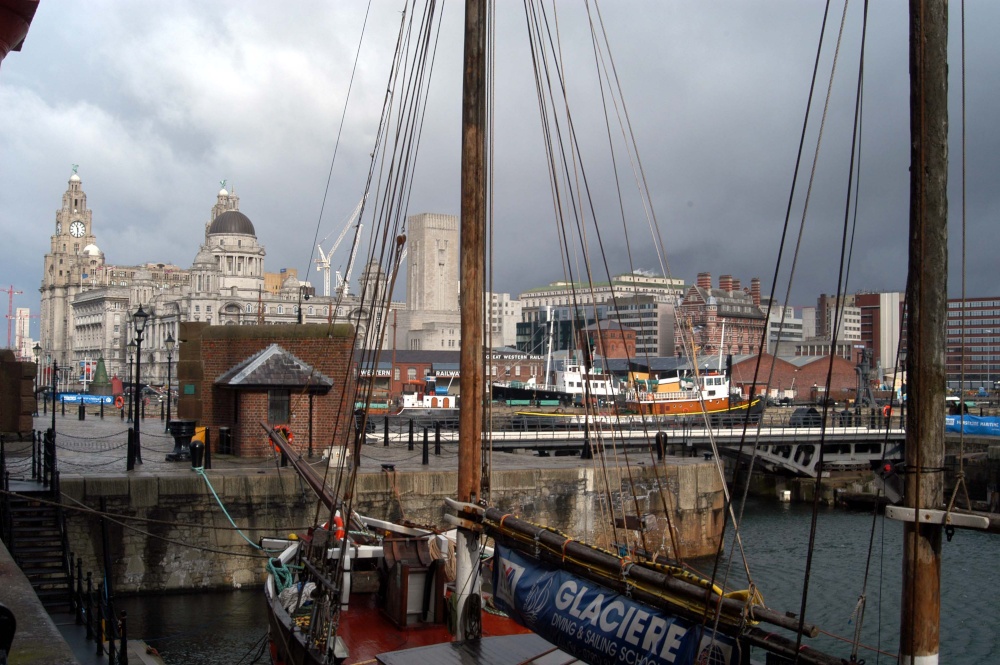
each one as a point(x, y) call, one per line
point(159, 101)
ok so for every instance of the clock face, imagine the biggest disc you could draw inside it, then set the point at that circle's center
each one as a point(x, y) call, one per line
point(77, 229)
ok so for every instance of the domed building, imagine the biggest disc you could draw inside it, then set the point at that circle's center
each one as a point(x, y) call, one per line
point(87, 305)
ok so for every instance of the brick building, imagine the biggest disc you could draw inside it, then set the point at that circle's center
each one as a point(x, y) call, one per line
point(803, 378)
point(608, 339)
point(241, 376)
point(707, 313)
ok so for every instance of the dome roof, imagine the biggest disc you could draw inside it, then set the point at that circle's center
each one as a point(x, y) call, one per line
point(92, 250)
point(232, 221)
point(205, 257)
point(74, 178)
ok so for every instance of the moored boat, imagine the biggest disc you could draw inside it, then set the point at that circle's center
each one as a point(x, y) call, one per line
point(709, 393)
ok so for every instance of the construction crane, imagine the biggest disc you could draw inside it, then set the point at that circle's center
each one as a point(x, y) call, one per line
point(323, 262)
point(10, 309)
point(344, 284)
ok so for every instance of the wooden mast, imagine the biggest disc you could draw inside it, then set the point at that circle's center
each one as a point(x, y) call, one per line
point(472, 247)
point(926, 308)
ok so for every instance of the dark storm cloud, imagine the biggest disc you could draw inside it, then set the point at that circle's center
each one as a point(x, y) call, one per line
point(159, 101)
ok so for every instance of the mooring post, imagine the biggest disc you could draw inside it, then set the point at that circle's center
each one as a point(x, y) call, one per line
point(385, 432)
point(90, 606)
point(123, 638)
point(437, 438)
point(411, 435)
point(424, 457)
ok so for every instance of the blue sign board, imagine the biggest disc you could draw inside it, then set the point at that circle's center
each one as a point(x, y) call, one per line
point(80, 398)
point(598, 625)
point(978, 425)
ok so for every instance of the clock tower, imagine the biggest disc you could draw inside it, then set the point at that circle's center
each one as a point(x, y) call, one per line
point(70, 266)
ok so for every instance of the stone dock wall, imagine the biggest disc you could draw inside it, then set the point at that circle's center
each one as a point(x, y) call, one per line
point(173, 536)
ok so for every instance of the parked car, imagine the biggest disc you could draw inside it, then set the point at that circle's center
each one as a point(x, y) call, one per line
point(805, 417)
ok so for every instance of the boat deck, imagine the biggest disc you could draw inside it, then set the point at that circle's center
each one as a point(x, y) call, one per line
point(506, 650)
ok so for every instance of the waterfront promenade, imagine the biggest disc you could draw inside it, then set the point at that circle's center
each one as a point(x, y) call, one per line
point(95, 446)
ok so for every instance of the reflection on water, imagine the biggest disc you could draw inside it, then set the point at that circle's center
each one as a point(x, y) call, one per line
point(219, 628)
point(776, 538)
point(228, 627)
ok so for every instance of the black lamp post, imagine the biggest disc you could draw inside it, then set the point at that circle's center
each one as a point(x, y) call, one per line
point(169, 343)
point(55, 392)
point(37, 351)
point(305, 293)
point(139, 324)
point(131, 354)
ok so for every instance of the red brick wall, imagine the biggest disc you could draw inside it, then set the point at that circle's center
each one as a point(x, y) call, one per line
point(842, 386)
point(206, 352)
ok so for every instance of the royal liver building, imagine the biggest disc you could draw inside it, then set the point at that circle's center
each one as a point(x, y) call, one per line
point(87, 303)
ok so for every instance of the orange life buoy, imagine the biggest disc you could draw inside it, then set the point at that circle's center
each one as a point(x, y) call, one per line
point(886, 411)
point(338, 523)
point(120, 402)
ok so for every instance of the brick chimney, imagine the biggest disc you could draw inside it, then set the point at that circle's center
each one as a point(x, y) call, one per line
point(705, 280)
point(726, 283)
point(736, 286)
point(755, 290)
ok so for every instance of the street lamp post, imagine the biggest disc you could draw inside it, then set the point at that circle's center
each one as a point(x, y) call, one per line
point(36, 350)
point(305, 292)
point(55, 391)
point(131, 354)
point(139, 324)
point(45, 406)
point(169, 343)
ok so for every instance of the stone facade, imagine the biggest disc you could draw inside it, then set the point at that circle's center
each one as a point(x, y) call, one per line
point(181, 538)
point(432, 320)
point(87, 303)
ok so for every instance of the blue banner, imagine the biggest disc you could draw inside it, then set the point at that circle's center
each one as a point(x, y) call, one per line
point(980, 425)
point(77, 398)
point(596, 624)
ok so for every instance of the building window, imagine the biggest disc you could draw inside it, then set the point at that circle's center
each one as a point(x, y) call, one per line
point(395, 374)
point(411, 374)
point(278, 406)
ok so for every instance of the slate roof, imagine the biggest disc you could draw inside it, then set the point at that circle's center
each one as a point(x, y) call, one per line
point(274, 367)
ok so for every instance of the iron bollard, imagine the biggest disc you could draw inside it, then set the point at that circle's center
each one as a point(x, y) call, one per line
point(437, 438)
point(63, 401)
point(410, 447)
point(102, 408)
point(99, 618)
point(123, 638)
point(586, 453)
point(81, 412)
point(424, 459)
point(385, 432)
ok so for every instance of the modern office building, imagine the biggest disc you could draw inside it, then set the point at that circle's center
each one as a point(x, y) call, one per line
point(973, 346)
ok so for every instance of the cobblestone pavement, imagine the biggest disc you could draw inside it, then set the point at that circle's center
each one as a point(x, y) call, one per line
point(96, 446)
